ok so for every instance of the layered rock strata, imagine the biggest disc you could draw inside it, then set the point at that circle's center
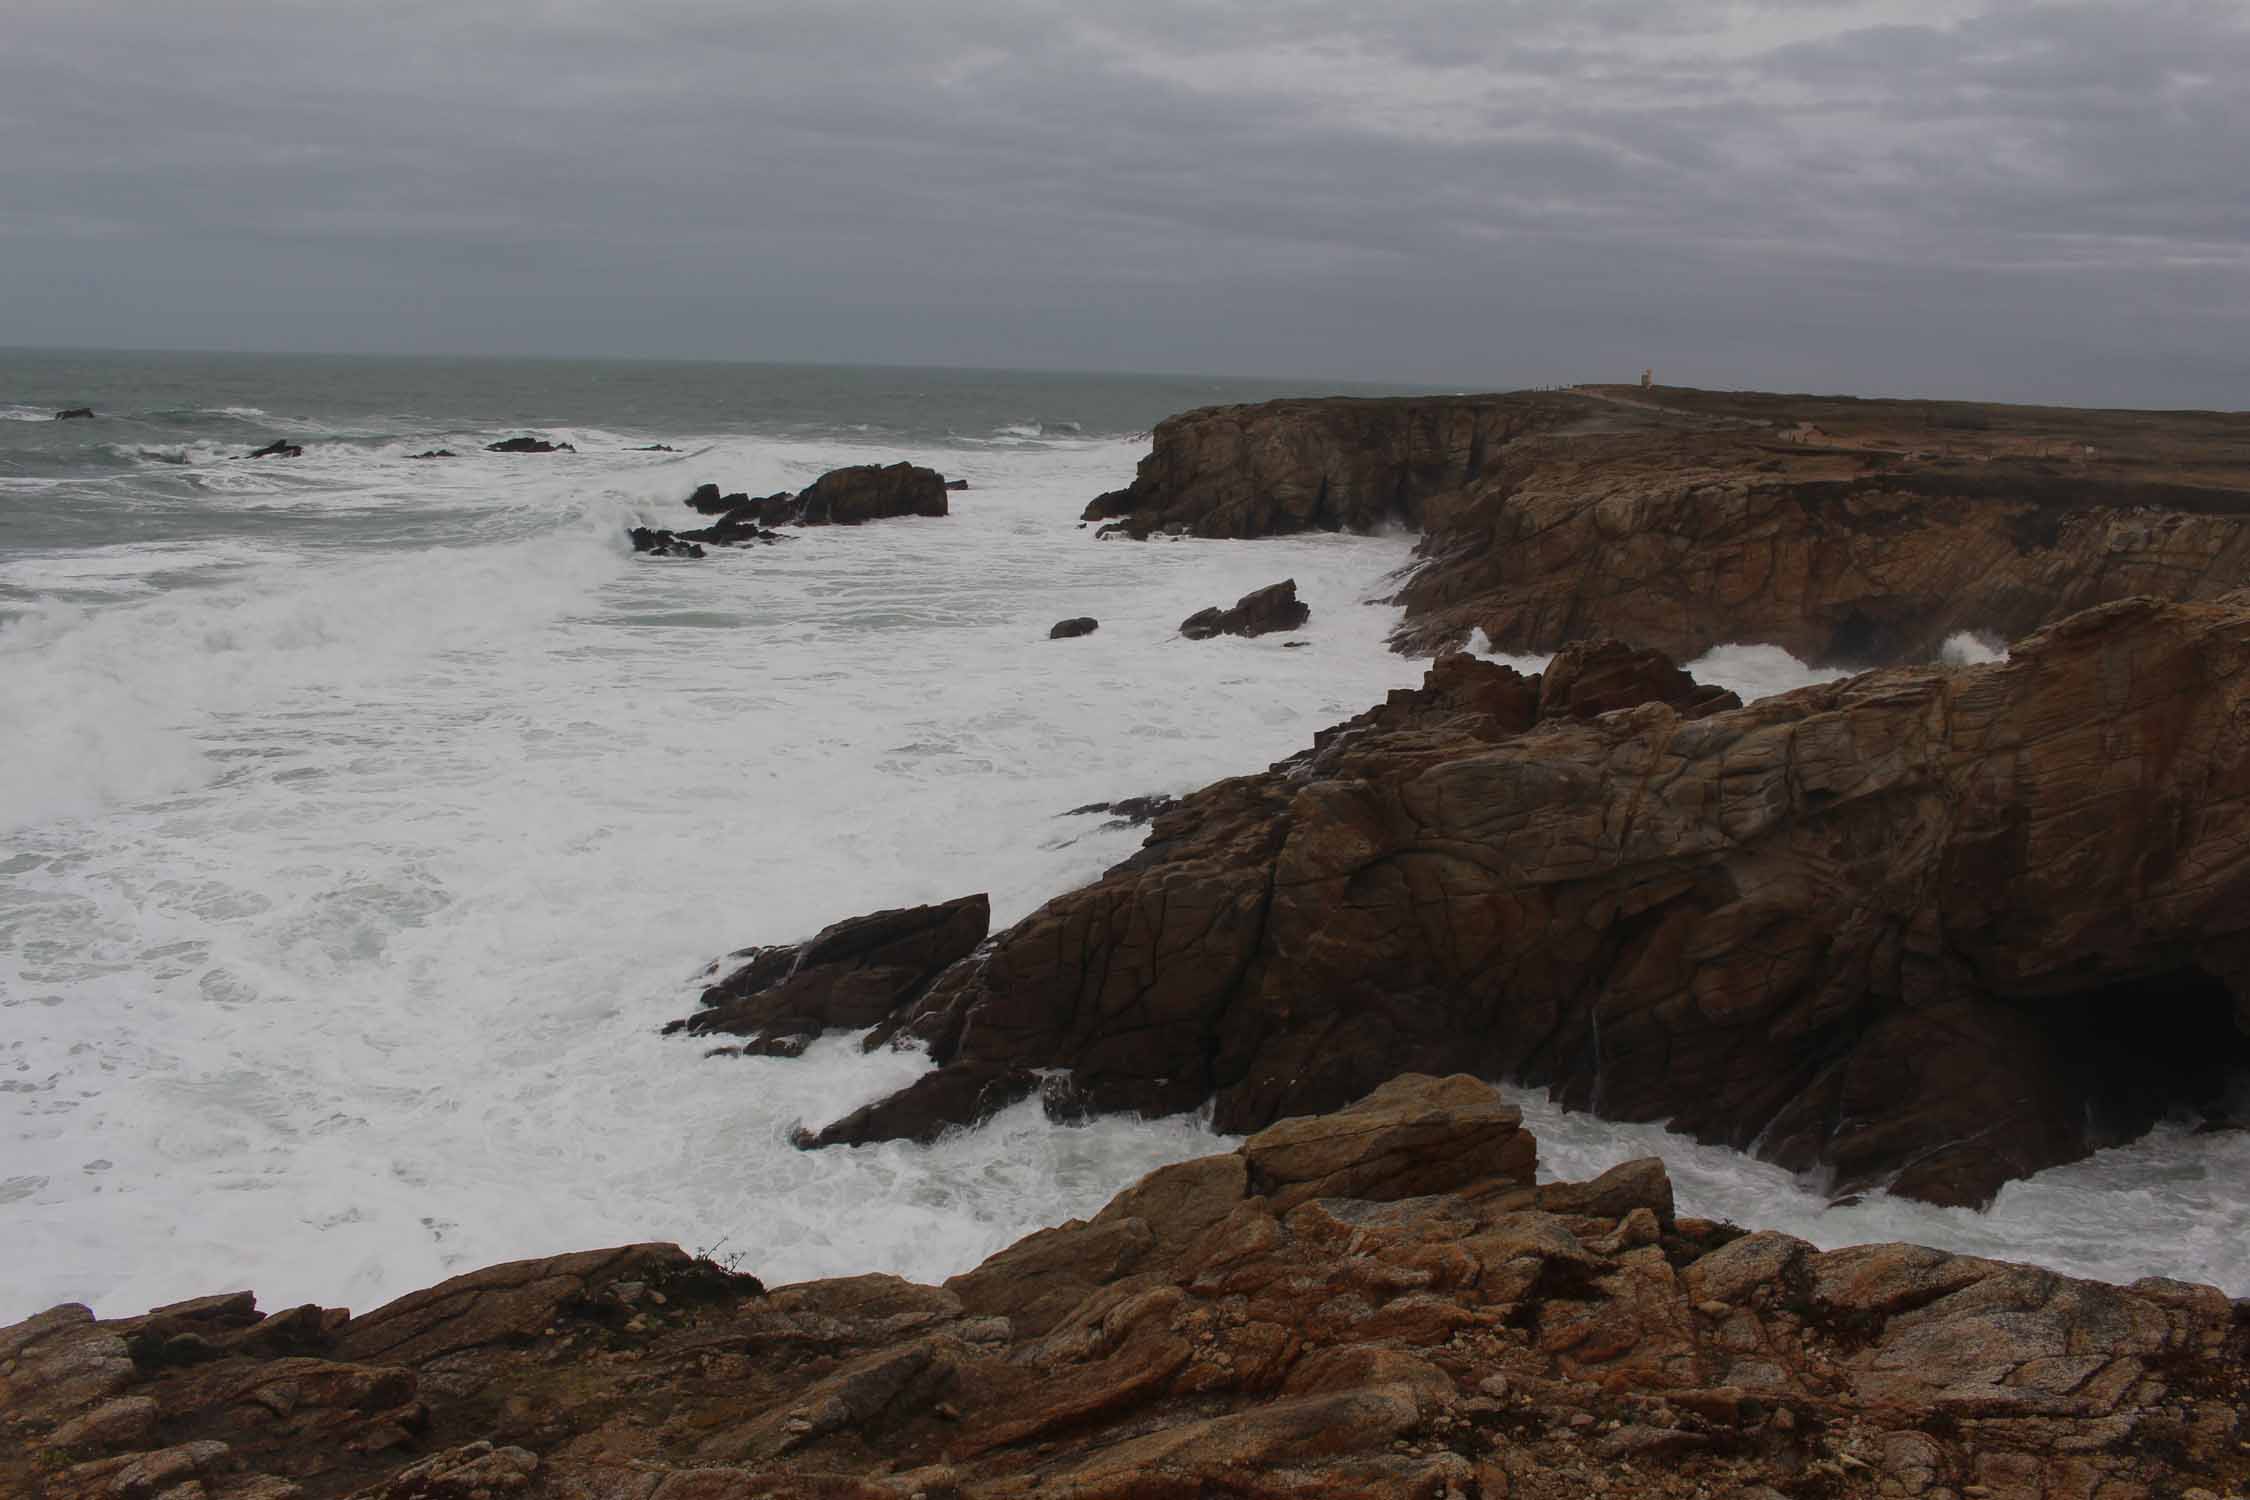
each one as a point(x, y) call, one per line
point(1377, 1303)
point(1330, 464)
point(1931, 929)
point(1860, 532)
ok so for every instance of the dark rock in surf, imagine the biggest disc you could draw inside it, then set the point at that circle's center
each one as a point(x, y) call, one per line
point(707, 501)
point(279, 448)
point(856, 973)
point(957, 484)
point(868, 492)
point(528, 445)
point(436, 453)
point(656, 448)
point(74, 414)
point(1263, 611)
point(662, 543)
point(1127, 812)
point(1068, 629)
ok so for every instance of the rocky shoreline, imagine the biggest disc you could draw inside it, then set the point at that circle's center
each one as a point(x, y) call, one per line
point(1378, 1301)
point(1929, 929)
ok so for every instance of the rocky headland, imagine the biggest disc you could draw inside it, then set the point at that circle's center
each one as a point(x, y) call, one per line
point(1381, 1301)
point(1849, 531)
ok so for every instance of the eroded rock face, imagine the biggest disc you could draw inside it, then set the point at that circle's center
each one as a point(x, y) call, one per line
point(1857, 532)
point(1935, 928)
point(1265, 611)
point(1319, 465)
point(1378, 1304)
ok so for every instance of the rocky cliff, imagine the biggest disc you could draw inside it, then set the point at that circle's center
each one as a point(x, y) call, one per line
point(1932, 929)
point(1375, 1303)
point(1332, 464)
point(1862, 532)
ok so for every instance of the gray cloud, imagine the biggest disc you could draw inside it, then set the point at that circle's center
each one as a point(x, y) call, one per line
point(2042, 201)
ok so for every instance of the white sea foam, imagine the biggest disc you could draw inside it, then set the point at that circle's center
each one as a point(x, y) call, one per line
point(2174, 1203)
point(349, 892)
point(1966, 648)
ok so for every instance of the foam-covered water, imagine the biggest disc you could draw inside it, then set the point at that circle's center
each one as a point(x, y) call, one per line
point(366, 816)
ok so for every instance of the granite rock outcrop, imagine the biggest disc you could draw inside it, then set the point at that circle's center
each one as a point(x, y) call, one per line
point(1857, 532)
point(1930, 928)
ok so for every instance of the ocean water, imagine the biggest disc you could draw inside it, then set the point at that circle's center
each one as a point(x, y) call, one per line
point(363, 818)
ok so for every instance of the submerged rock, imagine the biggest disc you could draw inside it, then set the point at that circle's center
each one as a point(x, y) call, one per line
point(436, 453)
point(528, 445)
point(1381, 1302)
point(74, 414)
point(662, 543)
point(279, 448)
point(1275, 607)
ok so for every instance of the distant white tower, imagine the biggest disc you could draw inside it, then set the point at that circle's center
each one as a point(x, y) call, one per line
point(1648, 378)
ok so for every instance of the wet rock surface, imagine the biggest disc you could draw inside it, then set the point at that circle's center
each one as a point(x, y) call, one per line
point(851, 974)
point(1065, 630)
point(75, 414)
point(1265, 611)
point(279, 448)
point(1916, 928)
point(1380, 1303)
point(528, 445)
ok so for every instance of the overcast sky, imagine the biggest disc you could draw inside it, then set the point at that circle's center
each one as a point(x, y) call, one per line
point(2029, 201)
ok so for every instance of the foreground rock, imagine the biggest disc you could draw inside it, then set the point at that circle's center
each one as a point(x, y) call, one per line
point(1376, 1303)
point(1275, 607)
point(1933, 928)
point(1860, 532)
point(528, 445)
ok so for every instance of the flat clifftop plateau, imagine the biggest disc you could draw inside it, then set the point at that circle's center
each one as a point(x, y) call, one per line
point(1860, 532)
point(1377, 1302)
point(1932, 929)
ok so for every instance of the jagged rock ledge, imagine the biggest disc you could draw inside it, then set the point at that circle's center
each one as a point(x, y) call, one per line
point(1379, 1302)
point(1860, 532)
point(1929, 929)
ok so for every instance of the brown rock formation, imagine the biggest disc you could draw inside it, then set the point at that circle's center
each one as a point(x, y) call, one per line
point(1265, 611)
point(1862, 532)
point(851, 974)
point(1377, 1304)
point(1931, 928)
point(1334, 464)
